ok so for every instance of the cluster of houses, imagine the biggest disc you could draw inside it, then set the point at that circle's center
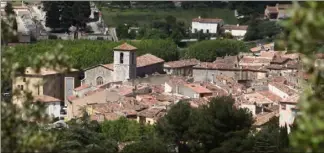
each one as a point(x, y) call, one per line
point(143, 88)
point(215, 25)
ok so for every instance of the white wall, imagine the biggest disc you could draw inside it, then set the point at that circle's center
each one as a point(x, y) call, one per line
point(53, 109)
point(287, 116)
point(212, 27)
point(237, 33)
point(277, 92)
point(167, 88)
point(250, 107)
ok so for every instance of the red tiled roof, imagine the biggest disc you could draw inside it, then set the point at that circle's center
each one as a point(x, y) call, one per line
point(235, 27)
point(198, 88)
point(207, 20)
point(181, 63)
point(283, 88)
point(82, 87)
point(46, 99)
point(141, 61)
point(270, 96)
point(291, 99)
point(109, 66)
point(147, 59)
point(125, 47)
point(291, 56)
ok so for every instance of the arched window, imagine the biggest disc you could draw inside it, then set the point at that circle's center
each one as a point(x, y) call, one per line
point(121, 58)
point(99, 80)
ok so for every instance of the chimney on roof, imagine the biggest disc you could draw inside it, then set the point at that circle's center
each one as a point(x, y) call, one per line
point(198, 17)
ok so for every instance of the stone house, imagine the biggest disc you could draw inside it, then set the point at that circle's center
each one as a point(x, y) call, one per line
point(126, 66)
point(48, 86)
point(288, 110)
point(237, 31)
point(207, 71)
point(150, 116)
point(280, 11)
point(181, 67)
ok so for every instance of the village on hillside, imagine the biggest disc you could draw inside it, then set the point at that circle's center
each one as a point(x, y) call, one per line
point(161, 76)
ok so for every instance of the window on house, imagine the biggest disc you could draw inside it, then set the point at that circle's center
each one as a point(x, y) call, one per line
point(121, 58)
point(24, 79)
point(21, 87)
point(18, 86)
point(207, 30)
point(99, 80)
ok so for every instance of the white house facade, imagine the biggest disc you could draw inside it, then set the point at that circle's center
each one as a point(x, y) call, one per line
point(53, 109)
point(237, 31)
point(207, 25)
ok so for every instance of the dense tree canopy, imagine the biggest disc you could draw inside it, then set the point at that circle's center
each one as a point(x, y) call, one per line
point(208, 50)
point(63, 14)
point(262, 29)
point(123, 130)
point(9, 25)
point(86, 53)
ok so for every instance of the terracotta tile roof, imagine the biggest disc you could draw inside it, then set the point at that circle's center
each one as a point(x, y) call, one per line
point(291, 56)
point(283, 88)
point(84, 86)
point(151, 112)
point(176, 80)
point(181, 63)
point(198, 88)
point(257, 98)
point(275, 67)
point(270, 96)
point(235, 27)
point(279, 79)
point(125, 47)
point(263, 118)
point(208, 65)
point(265, 46)
point(46, 99)
point(109, 66)
point(147, 59)
point(141, 61)
point(196, 102)
point(207, 20)
point(45, 71)
point(268, 54)
point(252, 60)
point(291, 99)
point(279, 60)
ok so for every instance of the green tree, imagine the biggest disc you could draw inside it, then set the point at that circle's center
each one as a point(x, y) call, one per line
point(23, 127)
point(52, 15)
point(122, 31)
point(208, 50)
point(262, 29)
point(123, 130)
point(218, 124)
point(306, 30)
point(174, 126)
point(9, 9)
point(83, 135)
point(152, 145)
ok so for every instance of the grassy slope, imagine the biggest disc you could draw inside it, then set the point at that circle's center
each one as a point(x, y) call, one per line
point(114, 17)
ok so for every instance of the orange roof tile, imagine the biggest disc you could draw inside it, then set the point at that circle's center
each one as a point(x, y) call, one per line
point(147, 59)
point(198, 88)
point(182, 63)
point(46, 99)
point(125, 47)
point(82, 87)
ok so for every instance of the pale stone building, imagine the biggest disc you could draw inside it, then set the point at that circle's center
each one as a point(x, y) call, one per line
point(126, 66)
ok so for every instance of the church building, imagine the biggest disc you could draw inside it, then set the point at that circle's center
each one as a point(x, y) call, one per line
point(126, 66)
